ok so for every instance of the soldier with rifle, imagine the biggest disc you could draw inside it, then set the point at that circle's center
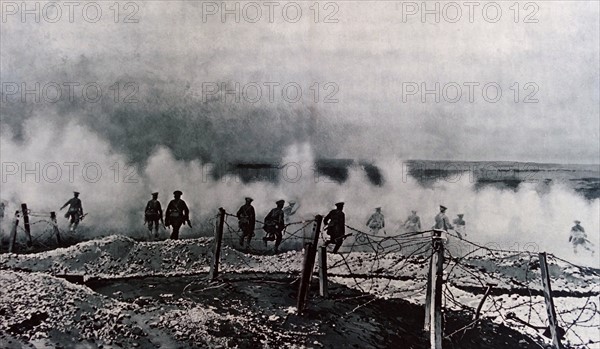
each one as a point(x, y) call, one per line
point(336, 226)
point(75, 211)
point(153, 214)
point(177, 214)
point(246, 221)
point(274, 225)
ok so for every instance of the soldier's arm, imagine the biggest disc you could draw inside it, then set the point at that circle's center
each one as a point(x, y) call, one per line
point(65, 205)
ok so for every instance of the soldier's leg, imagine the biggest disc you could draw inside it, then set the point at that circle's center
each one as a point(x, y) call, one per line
point(243, 236)
point(278, 238)
point(156, 228)
point(175, 233)
point(249, 236)
point(73, 222)
point(338, 244)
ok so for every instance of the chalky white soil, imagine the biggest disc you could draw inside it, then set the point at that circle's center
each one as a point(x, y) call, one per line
point(140, 307)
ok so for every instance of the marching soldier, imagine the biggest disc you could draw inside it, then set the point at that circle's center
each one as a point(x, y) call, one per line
point(336, 226)
point(579, 237)
point(246, 221)
point(274, 225)
point(376, 222)
point(461, 225)
point(75, 211)
point(177, 214)
point(413, 222)
point(153, 214)
point(442, 222)
point(290, 210)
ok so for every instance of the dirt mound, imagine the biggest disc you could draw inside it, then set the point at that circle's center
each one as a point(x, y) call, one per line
point(117, 256)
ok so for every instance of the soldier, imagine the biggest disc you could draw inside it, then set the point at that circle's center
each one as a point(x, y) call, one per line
point(442, 222)
point(460, 225)
point(376, 222)
point(152, 214)
point(336, 226)
point(274, 225)
point(413, 223)
point(246, 221)
point(579, 237)
point(75, 211)
point(177, 214)
point(289, 211)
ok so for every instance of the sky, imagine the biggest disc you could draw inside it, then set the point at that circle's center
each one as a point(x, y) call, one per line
point(363, 69)
point(120, 99)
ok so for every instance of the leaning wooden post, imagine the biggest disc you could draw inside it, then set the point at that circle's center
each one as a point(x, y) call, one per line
point(435, 317)
point(310, 253)
point(214, 267)
point(13, 233)
point(26, 224)
point(488, 290)
point(549, 301)
point(323, 289)
point(55, 227)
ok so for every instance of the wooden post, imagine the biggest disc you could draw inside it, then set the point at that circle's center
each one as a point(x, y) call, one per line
point(435, 315)
point(310, 253)
point(428, 295)
point(323, 290)
point(26, 224)
point(214, 268)
point(549, 302)
point(13, 234)
point(55, 227)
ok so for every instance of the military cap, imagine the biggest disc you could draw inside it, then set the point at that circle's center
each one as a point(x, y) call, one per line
point(76, 192)
point(249, 199)
point(177, 192)
point(460, 214)
point(576, 222)
point(341, 203)
point(443, 207)
point(280, 202)
point(155, 193)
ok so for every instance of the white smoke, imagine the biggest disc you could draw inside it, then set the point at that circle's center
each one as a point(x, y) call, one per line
point(115, 200)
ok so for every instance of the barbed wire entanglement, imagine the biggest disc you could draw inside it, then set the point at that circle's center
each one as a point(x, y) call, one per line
point(516, 293)
point(43, 233)
point(397, 266)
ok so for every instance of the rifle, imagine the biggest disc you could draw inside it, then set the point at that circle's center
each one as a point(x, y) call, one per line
point(188, 222)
